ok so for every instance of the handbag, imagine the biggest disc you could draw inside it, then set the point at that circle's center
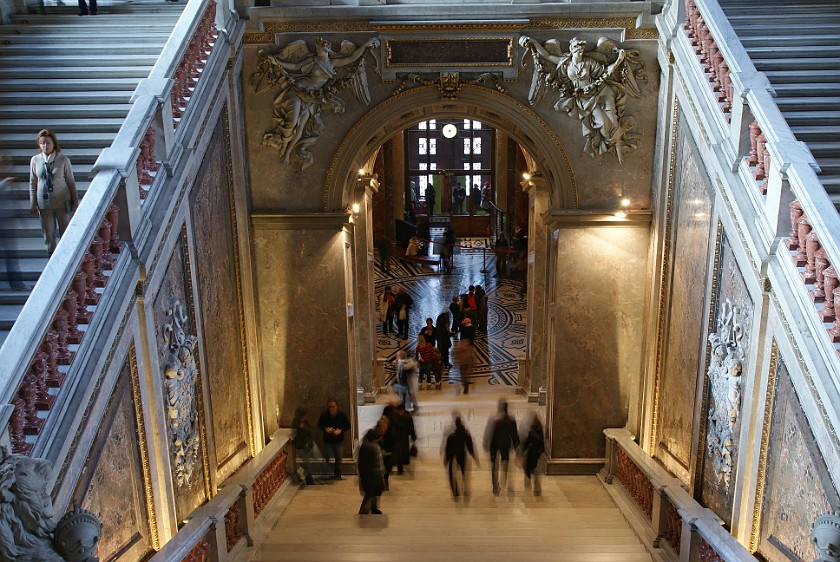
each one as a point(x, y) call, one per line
point(413, 450)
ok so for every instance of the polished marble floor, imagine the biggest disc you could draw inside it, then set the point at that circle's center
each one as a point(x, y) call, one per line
point(498, 352)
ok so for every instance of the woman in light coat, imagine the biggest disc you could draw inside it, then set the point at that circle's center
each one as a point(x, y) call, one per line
point(52, 188)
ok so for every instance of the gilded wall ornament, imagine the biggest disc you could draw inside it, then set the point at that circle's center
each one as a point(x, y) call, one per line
point(449, 83)
point(309, 80)
point(180, 374)
point(593, 87)
point(725, 385)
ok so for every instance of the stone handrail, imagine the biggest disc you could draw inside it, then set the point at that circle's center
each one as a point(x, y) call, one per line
point(53, 338)
point(233, 513)
point(781, 167)
point(667, 514)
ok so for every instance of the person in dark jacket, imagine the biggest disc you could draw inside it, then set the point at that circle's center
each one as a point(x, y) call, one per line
point(458, 444)
point(501, 436)
point(371, 472)
point(443, 336)
point(305, 447)
point(403, 299)
point(402, 422)
point(533, 448)
point(334, 424)
point(455, 310)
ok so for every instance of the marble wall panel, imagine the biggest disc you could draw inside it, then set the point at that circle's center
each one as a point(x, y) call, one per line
point(714, 492)
point(302, 321)
point(216, 263)
point(172, 293)
point(598, 322)
point(797, 487)
point(684, 332)
point(111, 484)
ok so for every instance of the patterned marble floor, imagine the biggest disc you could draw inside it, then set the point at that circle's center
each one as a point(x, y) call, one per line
point(432, 291)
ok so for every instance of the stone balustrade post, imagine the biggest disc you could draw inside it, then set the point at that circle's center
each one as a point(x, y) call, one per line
point(801, 257)
point(834, 332)
point(796, 213)
point(812, 245)
point(830, 283)
point(820, 264)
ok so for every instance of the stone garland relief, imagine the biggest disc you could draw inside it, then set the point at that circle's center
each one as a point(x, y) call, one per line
point(798, 486)
point(309, 80)
point(592, 86)
point(112, 484)
point(729, 347)
point(215, 259)
point(180, 377)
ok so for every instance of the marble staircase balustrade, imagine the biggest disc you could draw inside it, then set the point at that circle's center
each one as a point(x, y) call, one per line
point(673, 525)
point(59, 325)
point(781, 175)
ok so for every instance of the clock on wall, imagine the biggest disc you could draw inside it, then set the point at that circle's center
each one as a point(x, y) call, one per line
point(449, 131)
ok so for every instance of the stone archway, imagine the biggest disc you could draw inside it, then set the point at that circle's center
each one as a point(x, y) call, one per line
point(552, 186)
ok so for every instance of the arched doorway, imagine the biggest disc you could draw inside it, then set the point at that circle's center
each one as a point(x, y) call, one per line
point(349, 185)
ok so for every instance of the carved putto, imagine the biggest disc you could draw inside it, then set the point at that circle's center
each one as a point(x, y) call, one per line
point(27, 531)
point(180, 374)
point(309, 80)
point(592, 87)
point(725, 382)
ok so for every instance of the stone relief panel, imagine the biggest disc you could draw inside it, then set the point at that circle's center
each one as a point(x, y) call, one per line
point(729, 346)
point(684, 331)
point(592, 86)
point(302, 326)
point(309, 80)
point(598, 322)
point(798, 487)
point(216, 264)
point(180, 381)
point(112, 485)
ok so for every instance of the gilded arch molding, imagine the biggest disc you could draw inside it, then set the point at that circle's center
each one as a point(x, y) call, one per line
point(424, 102)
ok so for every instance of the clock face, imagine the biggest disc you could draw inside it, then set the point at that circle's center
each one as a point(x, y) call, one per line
point(450, 131)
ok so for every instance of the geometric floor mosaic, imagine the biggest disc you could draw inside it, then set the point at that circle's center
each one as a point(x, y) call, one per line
point(497, 352)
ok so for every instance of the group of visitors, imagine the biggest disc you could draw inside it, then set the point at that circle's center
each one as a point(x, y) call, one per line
point(391, 444)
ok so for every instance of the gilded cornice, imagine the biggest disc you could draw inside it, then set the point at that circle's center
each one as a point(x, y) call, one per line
point(628, 24)
point(765, 446)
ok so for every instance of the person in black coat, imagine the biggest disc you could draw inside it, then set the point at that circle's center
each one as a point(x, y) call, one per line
point(334, 423)
point(403, 299)
point(500, 438)
point(443, 336)
point(533, 447)
point(458, 444)
point(371, 472)
point(402, 424)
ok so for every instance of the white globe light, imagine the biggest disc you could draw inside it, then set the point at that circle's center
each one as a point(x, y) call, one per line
point(450, 130)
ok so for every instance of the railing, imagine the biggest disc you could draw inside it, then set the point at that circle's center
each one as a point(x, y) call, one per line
point(670, 519)
point(763, 149)
point(54, 339)
point(232, 515)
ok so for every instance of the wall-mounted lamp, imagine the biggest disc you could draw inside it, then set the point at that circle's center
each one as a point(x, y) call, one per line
point(361, 171)
point(526, 176)
point(625, 202)
point(356, 208)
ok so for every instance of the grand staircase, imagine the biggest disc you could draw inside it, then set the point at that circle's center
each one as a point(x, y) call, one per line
point(797, 45)
point(74, 75)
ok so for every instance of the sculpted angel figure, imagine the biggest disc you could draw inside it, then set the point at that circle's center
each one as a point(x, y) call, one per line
point(593, 87)
point(309, 81)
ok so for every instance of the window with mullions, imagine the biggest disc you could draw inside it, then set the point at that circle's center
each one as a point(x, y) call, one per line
point(445, 154)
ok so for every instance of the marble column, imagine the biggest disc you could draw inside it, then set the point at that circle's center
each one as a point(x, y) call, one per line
point(538, 283)
point(364, 303)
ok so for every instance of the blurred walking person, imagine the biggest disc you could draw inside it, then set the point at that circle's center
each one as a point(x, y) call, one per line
point(533, 449)
point(8, 243)
point(501, 436)
point(464, 354)
point(458, 444)
point(407, 380)
point(405, 437)
point(305, 447)
point(371, 472)
point(444, 338)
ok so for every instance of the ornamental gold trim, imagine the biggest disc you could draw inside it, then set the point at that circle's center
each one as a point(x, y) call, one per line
point(628, 24)
point(144, 451)
point(321, 26)
point(765, 446)
point(663, 278)
point(257, 37)
point(392, 99)
point(239, 297)
point(704, 397)
point(451, 27)
point(199, 391)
